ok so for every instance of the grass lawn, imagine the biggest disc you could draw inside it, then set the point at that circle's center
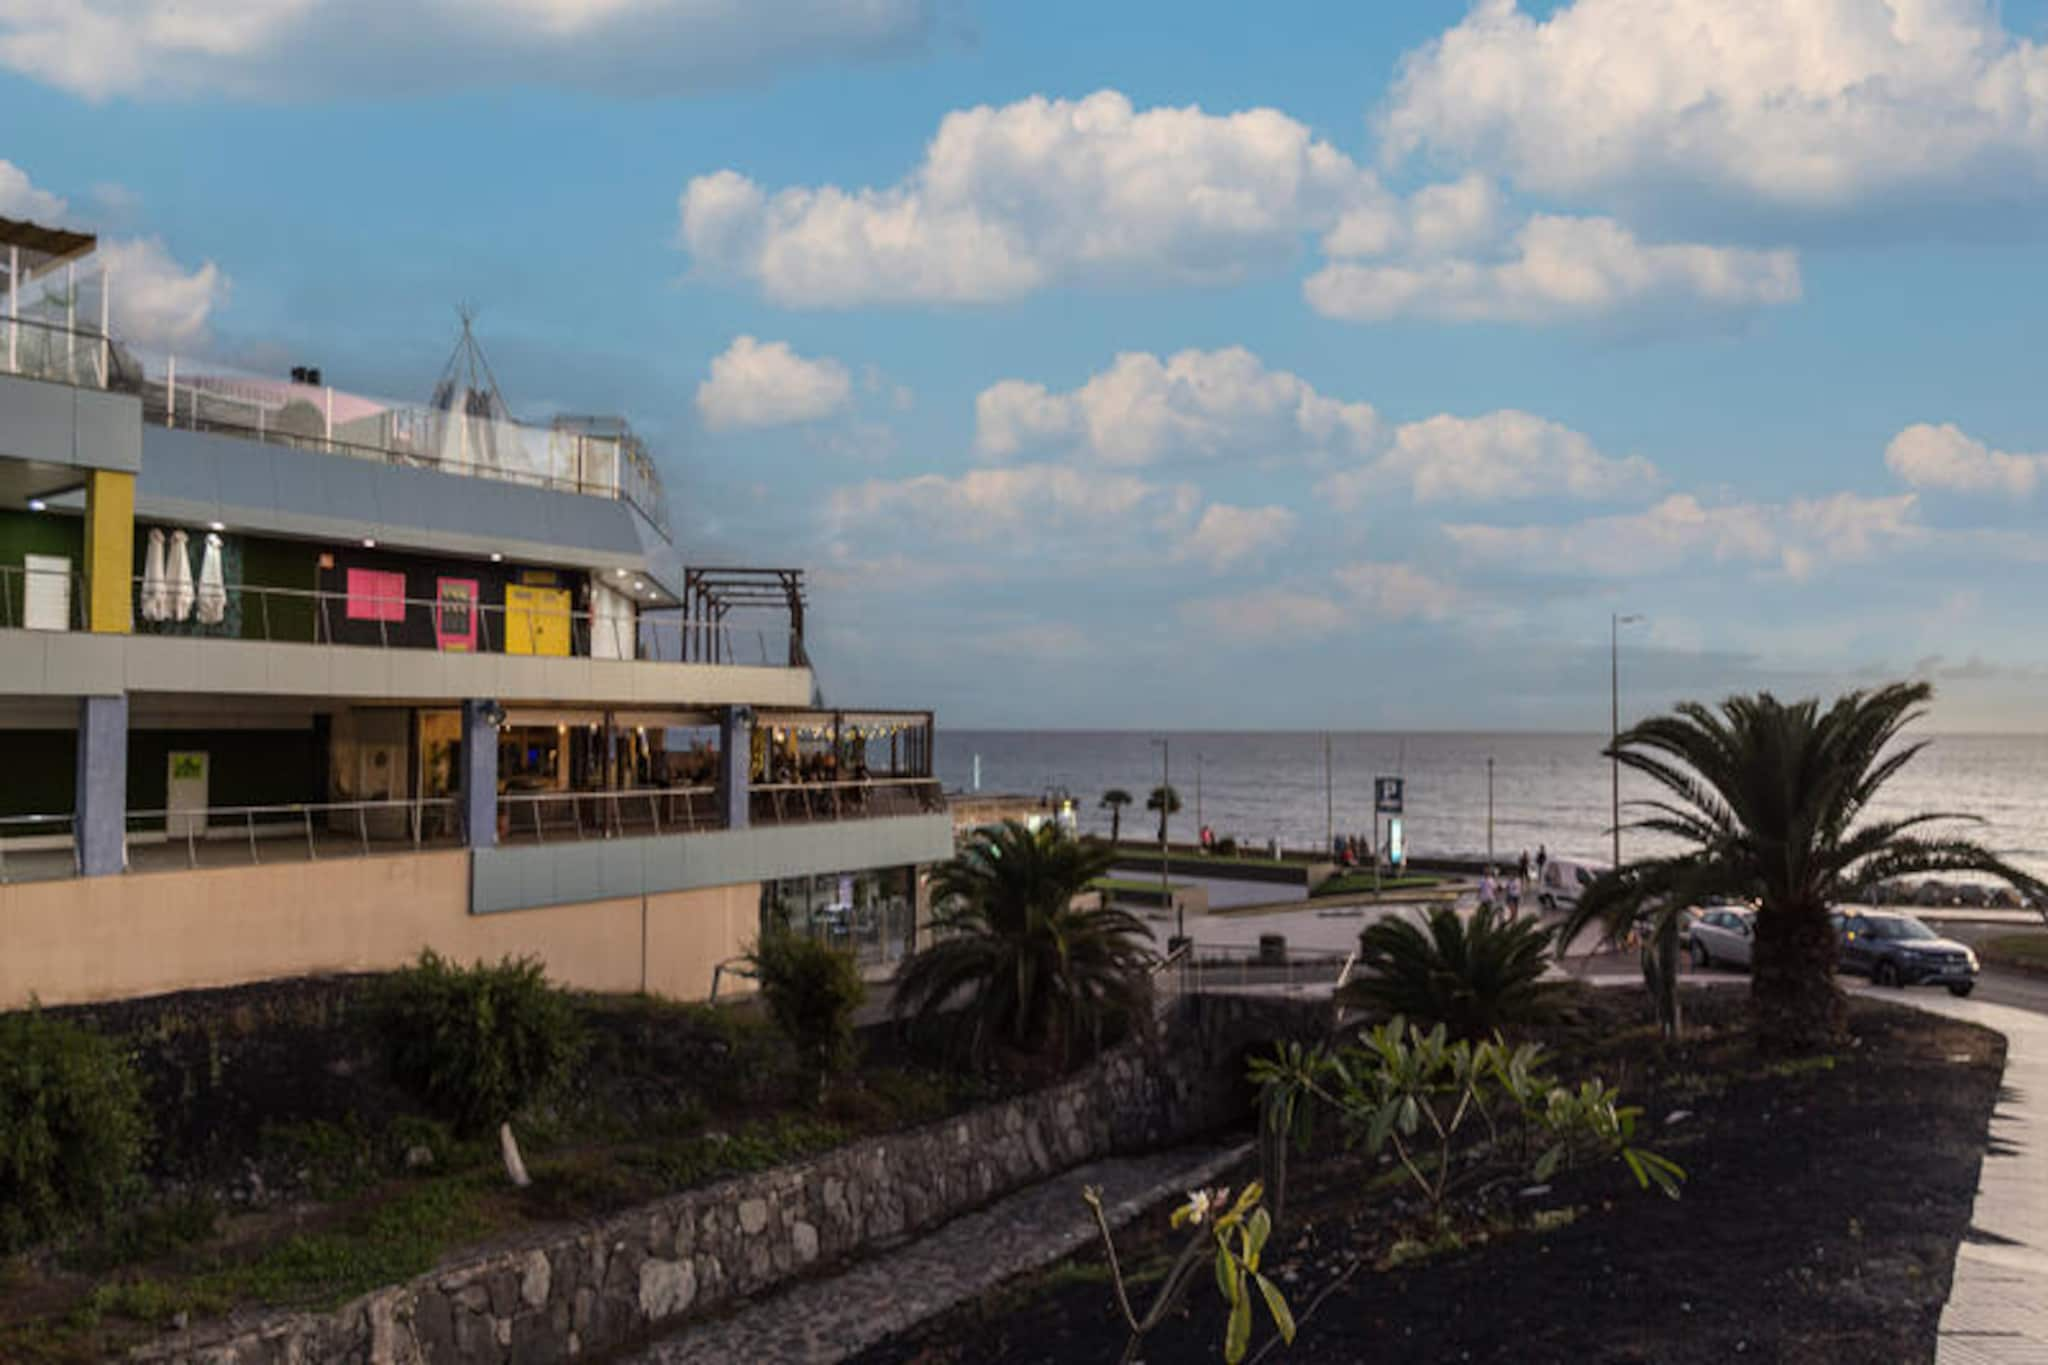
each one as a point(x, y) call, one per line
point(2018, 950)
point(1140, 853)
point(1346, 882)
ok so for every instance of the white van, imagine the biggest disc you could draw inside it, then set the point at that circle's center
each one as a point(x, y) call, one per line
point(1563, 882)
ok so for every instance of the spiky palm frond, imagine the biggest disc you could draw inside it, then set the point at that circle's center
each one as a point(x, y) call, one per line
point(1023, 967)
point(1472, 977)
point(1769, 797)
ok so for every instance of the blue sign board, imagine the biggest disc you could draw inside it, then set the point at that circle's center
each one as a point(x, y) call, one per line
point(1386, 795)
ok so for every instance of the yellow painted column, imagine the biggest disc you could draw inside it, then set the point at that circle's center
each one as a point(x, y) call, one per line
point(109, 550)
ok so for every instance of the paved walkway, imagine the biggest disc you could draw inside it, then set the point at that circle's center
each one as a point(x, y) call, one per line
point(825, 1320)
point(1997, 1311)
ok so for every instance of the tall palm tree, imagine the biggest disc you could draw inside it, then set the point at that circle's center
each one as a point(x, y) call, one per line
point(1166, 801)
point(1771, 797)
point(1115, 799)
point(1026, 968)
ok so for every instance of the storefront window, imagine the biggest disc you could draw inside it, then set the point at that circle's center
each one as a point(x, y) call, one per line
point(869, 913)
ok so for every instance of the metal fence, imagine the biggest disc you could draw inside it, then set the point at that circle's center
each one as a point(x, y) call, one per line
point(61, 352)
point(216, 836)
point(558, 817)
point(793, 803)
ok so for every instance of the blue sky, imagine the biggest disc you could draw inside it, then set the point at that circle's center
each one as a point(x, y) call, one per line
point(1134, 365)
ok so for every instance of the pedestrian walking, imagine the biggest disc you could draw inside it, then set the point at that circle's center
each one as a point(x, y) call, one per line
point(1489, 891)
point(1525, 866)
point(1514, 891)
point(1542, 857)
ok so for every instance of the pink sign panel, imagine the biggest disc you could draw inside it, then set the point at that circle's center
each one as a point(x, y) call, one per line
point(375, 595)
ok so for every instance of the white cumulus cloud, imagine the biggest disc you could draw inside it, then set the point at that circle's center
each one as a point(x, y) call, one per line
point(21, 199)
point(1495, 457)
point(1948, 459)
point(296, 49)
point(155, 300)
point(1398, 592)
point(1143, 409)
point(1555, 269)
point(1794, 537)
point(1042, 191)
point(1227, 536)
point(1808, 104)
point(766, 384)
point(1266, 614)
point(1025, 506)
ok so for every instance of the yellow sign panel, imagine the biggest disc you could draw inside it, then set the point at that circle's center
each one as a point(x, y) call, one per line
point(536, 620)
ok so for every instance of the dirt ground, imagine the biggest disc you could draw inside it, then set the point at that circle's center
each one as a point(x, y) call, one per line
point(1818, 1224)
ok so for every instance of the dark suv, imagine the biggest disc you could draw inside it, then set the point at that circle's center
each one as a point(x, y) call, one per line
point(1898, 950)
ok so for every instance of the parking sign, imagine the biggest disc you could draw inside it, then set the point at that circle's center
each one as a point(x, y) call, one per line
point(1386, 795)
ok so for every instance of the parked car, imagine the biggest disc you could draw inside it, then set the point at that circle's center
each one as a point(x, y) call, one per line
point(1898, 950)
point(1723, 934)
point(1563, 882)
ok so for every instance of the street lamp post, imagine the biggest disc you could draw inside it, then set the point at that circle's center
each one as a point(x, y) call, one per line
point(1166, 809)
point(1489, 812)
point(1200, 758)
point(1614, 624)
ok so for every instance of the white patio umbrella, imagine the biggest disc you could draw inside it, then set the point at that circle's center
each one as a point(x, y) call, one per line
point(156, 599)
point(178, 579)
point(213, 588)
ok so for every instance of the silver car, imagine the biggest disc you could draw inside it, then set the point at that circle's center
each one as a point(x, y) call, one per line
point(1723, 934)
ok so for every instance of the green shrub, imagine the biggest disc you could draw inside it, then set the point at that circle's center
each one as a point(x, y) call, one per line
point(1473, 978)
point(478, 1044)
point(811, 991)
point(71, 1127)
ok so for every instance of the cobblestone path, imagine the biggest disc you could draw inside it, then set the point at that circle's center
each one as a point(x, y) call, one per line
point(823, 1321)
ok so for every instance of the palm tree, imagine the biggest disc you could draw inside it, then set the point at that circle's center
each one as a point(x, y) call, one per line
point(1166, 801)
point(1771, 799)
point(1115, 799)
point(1034, 971)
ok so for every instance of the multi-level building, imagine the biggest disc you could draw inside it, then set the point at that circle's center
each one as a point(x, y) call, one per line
point(293, 680)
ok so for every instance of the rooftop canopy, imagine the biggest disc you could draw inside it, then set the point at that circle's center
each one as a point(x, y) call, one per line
point(43, 249)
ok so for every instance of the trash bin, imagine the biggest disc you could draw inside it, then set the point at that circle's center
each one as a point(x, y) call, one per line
point(1272, 950)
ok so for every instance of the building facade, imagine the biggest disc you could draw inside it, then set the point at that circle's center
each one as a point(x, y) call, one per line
point(294, 680)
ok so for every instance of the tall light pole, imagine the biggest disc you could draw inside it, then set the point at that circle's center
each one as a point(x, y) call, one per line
point(1489, 812)
point(1165, 808)
point(1200, 758)
point(1614, 624)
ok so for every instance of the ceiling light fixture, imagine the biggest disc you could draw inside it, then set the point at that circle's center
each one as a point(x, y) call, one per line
point(38, 505)
point(369, 542)
point(216, 526)
point(497, 558)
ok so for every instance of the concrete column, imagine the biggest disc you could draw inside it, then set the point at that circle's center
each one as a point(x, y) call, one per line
point(101, 814)
point(735, 763)
point(480, 772)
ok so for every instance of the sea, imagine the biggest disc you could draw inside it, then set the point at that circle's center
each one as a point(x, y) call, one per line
point(1549, 790)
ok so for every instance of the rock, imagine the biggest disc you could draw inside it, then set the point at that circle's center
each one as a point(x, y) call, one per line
point(534, 1279)
point(419, 1157)
point(804, 1238)
point(753, 1215)
point(1677, 1116)
point(666, 1288)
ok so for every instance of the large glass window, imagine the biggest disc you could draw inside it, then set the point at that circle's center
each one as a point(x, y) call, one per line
point(871, 914)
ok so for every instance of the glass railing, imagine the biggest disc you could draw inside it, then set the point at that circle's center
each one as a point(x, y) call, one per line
point(570, 455)
point(63, 353)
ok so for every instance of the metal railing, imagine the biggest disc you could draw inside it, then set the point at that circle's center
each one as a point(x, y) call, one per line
point(1224, 966)
point(323, 829)
point(61, 352)
point(41, 846)
point(790, 803)
point(562, 816)
point(315, 616)
point(16, 581)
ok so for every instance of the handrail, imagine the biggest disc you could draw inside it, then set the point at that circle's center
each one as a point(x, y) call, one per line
point(88, 357)
point(719, 970)
point(654, 636)
point(187, 823)
point(617, 813)
point(68, 836)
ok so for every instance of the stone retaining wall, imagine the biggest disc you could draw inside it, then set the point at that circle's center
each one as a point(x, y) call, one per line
point(578, 1291)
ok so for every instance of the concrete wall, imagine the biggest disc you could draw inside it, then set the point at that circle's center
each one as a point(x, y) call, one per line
point(56, 663)
point(103, 938)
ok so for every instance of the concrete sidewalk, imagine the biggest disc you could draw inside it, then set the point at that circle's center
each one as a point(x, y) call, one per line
point(1997, 1311)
